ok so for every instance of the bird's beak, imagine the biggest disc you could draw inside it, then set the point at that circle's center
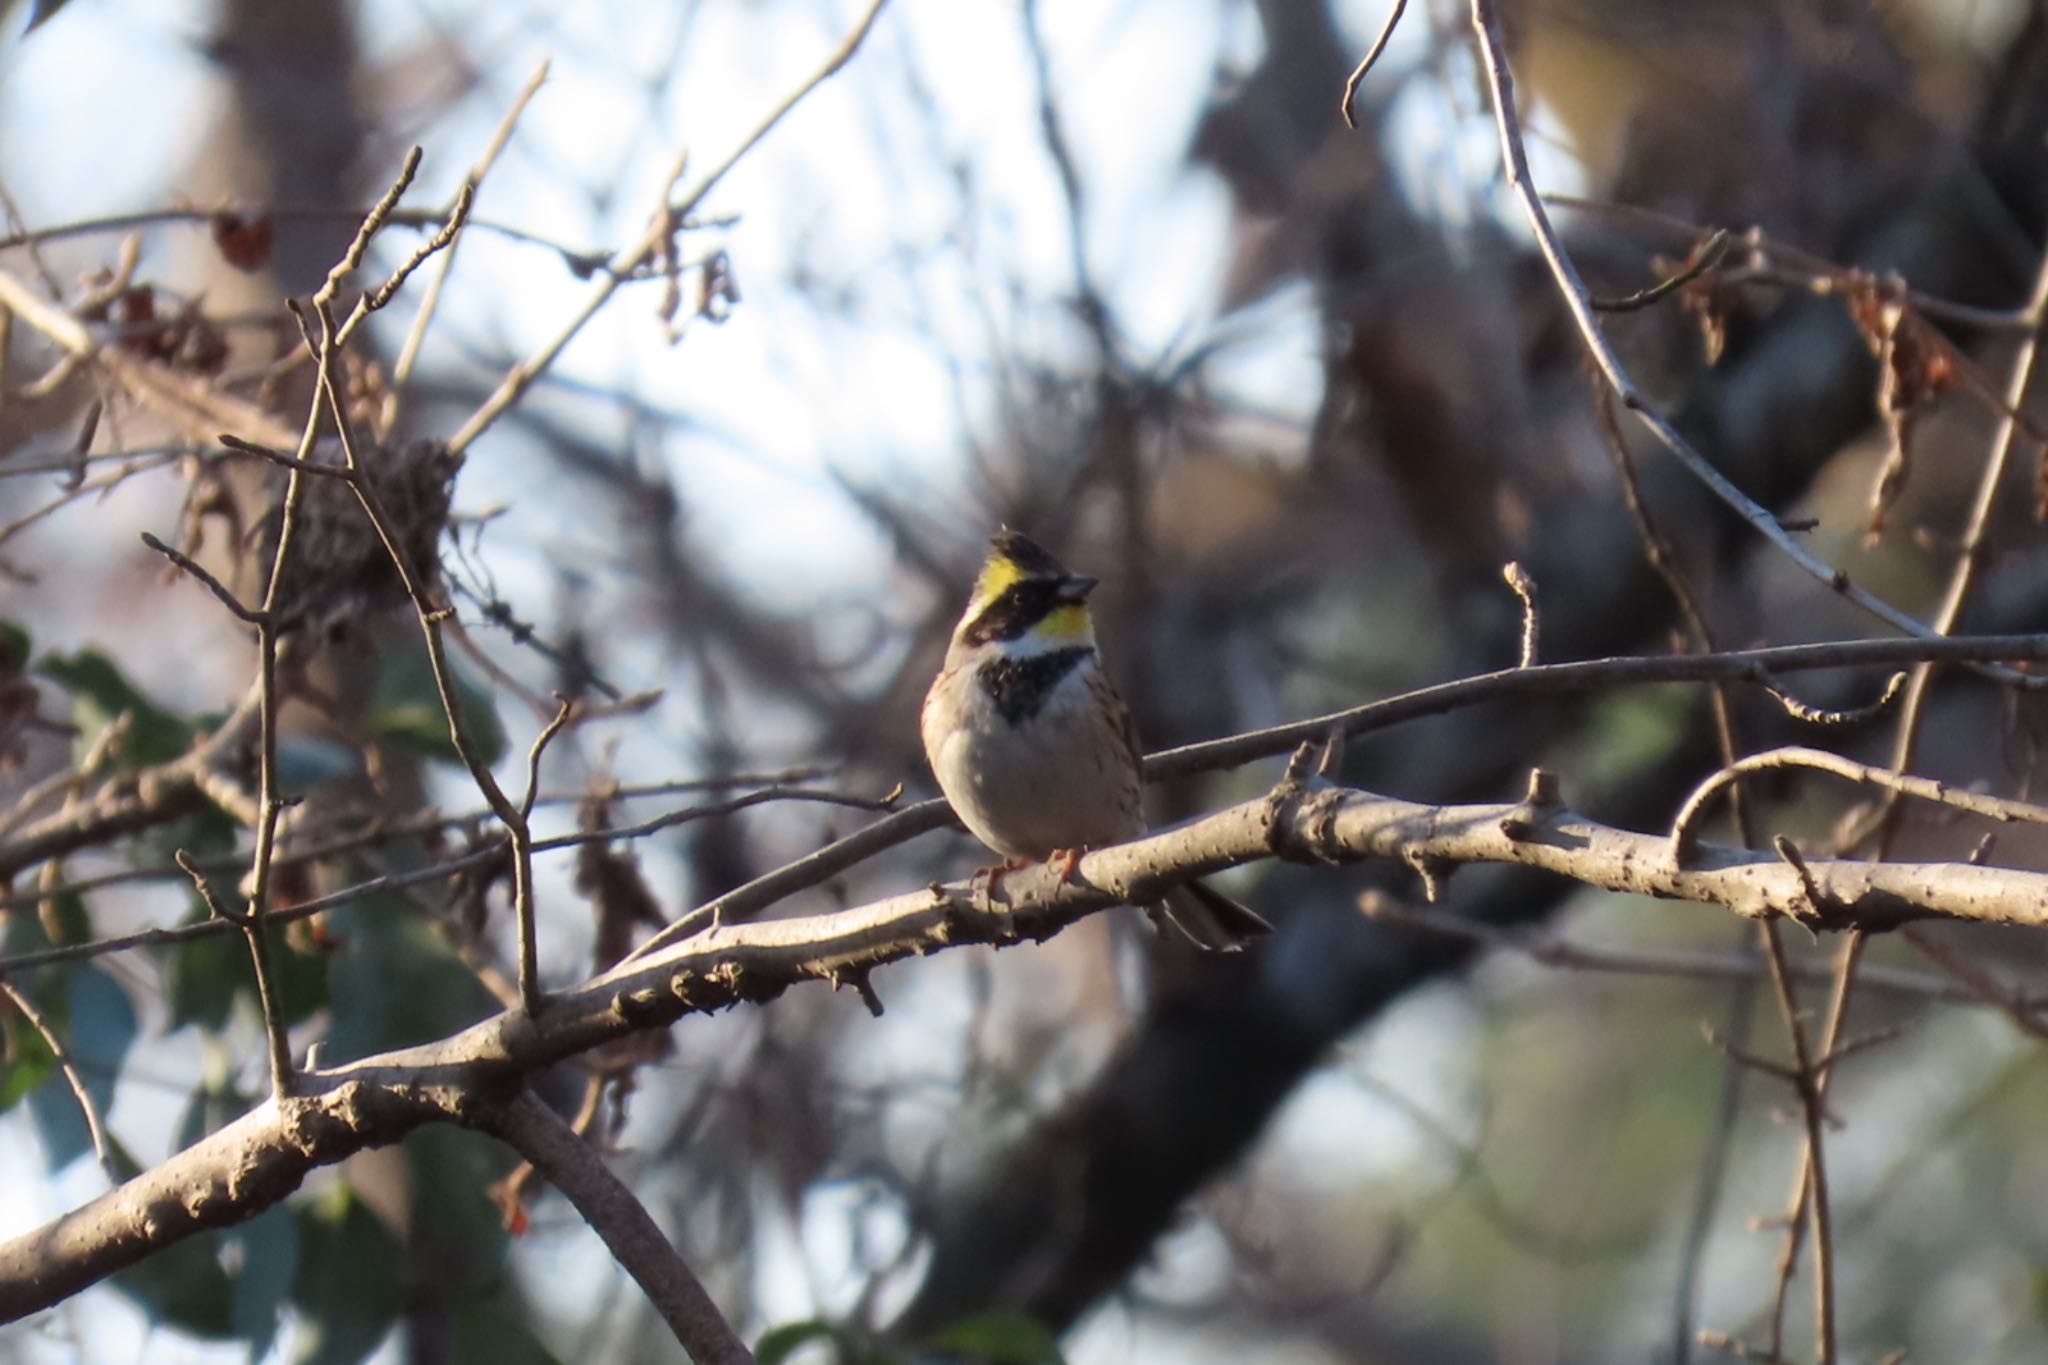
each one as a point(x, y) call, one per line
point(1075, 587)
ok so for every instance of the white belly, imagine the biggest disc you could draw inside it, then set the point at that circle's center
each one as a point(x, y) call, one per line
point(1050, 782)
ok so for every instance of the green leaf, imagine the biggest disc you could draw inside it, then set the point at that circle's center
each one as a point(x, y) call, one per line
point(456, 1224)
point(778, 1344)
point(399, 980)
point(406, 710)
point(15, 647)
point(202, 977)
point(100, 693)
point(32, 1061)
point(1001, 1338)
point(487, 1328)
point(346, 1287)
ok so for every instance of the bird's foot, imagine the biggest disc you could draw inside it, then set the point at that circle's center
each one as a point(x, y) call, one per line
point(984, 880)
point(1067, 861)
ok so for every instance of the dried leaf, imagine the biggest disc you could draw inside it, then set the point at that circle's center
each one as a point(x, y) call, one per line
point(246, 243)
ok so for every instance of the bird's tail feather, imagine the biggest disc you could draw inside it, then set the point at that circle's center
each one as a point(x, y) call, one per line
point(1208, 919)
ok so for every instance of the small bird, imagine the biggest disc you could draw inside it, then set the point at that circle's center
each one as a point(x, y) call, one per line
point(1030, 741)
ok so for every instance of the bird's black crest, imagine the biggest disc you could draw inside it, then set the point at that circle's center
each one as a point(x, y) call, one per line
point(1027, 554)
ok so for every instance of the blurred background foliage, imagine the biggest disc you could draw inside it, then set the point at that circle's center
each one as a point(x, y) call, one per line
point(1114, 274)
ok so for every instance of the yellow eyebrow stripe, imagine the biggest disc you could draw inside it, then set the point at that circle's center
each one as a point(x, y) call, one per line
point(997, 576)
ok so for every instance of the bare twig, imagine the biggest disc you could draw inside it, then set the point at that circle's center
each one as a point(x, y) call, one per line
point(441, 871)
point(522, 376)
point(206, 580)
point(1566, 955)
point(375, 829)
point(1844, 718)
point(1797, 267)
point(1743, 666)
point(415, 337)
point(1970, 558)
point(1977, 982)
point(1705, 257)
point(189, 401)
point(1742, 1350)
point(1806, 1081)
point(1578, 300)
point(1348, 104)
point(95, 1126)
point(1684, 833)
point(431, 616)
point(1524, 587)
point(1961, 583)
point(252, 926)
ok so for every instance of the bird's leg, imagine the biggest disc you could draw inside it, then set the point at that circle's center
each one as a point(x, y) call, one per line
point(994, 874)
point(1068, 861)
point(987, 877)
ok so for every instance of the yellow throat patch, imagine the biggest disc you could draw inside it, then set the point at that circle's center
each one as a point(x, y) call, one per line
point(1067, 625)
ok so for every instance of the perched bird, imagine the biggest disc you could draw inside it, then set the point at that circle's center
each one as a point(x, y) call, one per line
point(1030, 741)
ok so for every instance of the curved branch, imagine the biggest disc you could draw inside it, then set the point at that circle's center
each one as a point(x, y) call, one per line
point(537, 1133)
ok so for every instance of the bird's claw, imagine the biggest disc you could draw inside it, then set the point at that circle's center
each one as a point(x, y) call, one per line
point(1068, 861)
point(986, 878)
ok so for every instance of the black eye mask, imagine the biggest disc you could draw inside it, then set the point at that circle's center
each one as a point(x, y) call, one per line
point(1020, 607)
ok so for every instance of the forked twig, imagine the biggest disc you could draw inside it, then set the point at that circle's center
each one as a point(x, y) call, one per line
point(1579, 301)
point(627, 263)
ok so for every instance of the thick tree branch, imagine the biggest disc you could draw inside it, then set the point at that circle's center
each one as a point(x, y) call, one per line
point(260, 1158)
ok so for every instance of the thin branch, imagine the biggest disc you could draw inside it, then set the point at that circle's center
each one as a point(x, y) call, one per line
point(1806, 1082)
point(1974, 980)
point(163, 793)
point(95, 1126)
point(206, 580)
point(375, 829)
point(189, 401)
point(431, 616)
point(1962, 581)
point(1563, 954)
point(1970, 558)
point(1524, 588)
point(130, 801)
point(1684, 825)
point(522, 376)
point(1348, 104)
point(1704, 258)
point(1756, 666)
point(538, 1134)
point(251, 924)
point(399, 881)
point(1808, 271)
point(1578, 300)
point(416, 335)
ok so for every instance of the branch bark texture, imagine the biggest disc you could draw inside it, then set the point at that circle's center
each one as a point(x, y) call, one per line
point(259, 1159)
